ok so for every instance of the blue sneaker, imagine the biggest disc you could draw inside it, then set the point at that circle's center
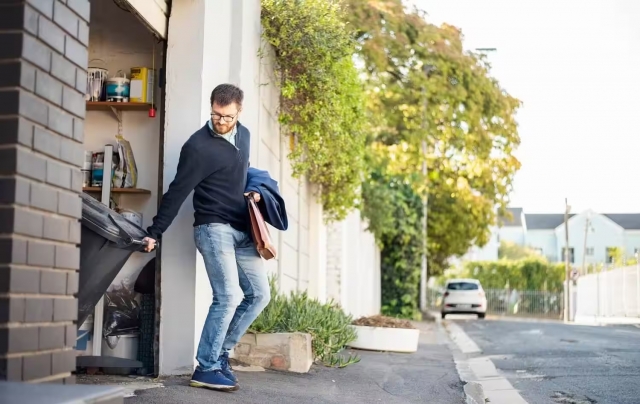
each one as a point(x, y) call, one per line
point(226, 367)
point(213, 380)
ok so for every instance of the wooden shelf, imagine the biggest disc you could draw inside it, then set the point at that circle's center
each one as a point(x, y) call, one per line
point(137, 191)
point(121, 106)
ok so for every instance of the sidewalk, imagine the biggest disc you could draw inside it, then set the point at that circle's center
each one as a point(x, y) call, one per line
point(428, 376)
point(591, 320)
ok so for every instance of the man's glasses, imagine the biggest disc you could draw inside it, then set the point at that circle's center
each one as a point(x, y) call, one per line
point(225, 118)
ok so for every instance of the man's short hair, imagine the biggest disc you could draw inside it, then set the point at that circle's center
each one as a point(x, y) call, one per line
point(226, 94)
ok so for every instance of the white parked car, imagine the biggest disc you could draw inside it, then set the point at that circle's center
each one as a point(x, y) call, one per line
point(464, 296)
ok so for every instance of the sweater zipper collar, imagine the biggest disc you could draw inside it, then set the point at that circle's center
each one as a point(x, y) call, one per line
point(213, 133)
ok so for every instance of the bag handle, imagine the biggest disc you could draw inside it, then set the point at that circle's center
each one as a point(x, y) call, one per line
point(122, 233)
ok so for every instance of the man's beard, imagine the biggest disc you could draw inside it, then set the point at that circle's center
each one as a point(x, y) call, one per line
point(222, 130)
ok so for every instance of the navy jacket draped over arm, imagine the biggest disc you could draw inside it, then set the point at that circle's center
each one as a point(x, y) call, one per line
point(271, 204)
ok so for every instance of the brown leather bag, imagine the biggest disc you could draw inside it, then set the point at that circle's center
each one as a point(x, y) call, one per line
point(260, 232)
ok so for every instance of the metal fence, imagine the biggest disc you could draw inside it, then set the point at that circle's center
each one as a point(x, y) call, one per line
point(517, 303)
point(614, 293)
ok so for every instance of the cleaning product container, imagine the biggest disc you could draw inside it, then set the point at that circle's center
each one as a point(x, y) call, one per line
point(118, 88)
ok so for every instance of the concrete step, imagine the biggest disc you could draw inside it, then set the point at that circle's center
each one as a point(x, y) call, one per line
point(24, 393)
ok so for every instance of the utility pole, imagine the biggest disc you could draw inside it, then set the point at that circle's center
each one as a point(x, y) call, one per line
point(567, 209)
point(638, 280)
point(584, 249)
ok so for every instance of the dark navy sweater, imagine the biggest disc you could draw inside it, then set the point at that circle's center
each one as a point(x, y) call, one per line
point(216, 171)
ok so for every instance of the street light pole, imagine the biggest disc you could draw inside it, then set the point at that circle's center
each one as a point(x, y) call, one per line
point(425, 199)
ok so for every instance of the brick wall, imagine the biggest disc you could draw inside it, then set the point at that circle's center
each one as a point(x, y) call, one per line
point(43, 60)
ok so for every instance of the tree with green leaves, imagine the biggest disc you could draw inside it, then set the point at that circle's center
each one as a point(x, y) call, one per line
point(422, 85)
point(363, 83)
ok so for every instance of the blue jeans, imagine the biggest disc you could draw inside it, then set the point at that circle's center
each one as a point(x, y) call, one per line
point(240, 289)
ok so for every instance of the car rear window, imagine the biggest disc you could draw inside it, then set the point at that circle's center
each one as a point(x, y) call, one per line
point(462, 286)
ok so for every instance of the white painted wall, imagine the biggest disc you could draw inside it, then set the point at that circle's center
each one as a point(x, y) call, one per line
point(294, 249)
point(609, 294)
point(214, 42)
point(631, 242)
point(182, 277)
point(131, 45)
point(606, 233)
point(514, 234)
point(361, 286)
point(353, 267)
point(544, 239)
point(335, 259)
point(488, 252)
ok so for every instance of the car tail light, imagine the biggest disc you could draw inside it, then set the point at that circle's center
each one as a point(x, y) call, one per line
point(446, 294)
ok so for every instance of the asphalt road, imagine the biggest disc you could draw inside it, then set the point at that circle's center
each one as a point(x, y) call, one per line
point(558, 363)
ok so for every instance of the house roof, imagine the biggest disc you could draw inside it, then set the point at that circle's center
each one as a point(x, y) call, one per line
point(515, 221)
point(544, 221)
point(628, 221)
point(549, 221)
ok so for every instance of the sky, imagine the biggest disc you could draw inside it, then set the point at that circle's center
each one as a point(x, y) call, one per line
point(575, 65)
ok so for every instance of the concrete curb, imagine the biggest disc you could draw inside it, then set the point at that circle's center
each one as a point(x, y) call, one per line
point(578, 320)
point(474, 392)
point(602, 321)
point(484, 382)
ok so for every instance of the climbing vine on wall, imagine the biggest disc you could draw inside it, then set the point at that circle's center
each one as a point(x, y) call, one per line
point(322, 97)
point(399, 231)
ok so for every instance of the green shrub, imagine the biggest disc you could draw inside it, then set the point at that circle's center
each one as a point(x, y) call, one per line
point(395, 213)
point(322, 98)
point(329, 326)
point(523, 274)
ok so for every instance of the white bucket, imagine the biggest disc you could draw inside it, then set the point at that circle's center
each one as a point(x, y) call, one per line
point(96, 77)
point(124, 346)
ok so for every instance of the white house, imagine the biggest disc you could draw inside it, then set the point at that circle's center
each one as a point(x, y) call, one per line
point(593, 236)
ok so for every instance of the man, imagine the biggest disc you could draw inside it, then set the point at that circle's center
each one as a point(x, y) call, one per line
point(213, 163)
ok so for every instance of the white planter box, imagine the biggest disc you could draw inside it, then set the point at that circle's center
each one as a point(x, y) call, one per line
point(386, 339)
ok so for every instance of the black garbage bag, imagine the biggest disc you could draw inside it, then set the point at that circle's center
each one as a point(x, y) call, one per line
point(108, 240)
point(146, 281)
point(121, 313)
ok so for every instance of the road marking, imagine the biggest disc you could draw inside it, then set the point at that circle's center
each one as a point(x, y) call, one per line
point(461, 339)
point(627, 331)
point(480, 370)
point(534, 332)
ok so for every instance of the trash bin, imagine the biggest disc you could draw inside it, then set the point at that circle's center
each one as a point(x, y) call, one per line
point(108, 240)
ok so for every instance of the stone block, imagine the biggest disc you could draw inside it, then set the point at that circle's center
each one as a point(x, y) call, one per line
point(290, 352)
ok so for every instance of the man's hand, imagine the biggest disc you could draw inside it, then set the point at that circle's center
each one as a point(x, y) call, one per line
point(151, 244)
point(254, 195)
